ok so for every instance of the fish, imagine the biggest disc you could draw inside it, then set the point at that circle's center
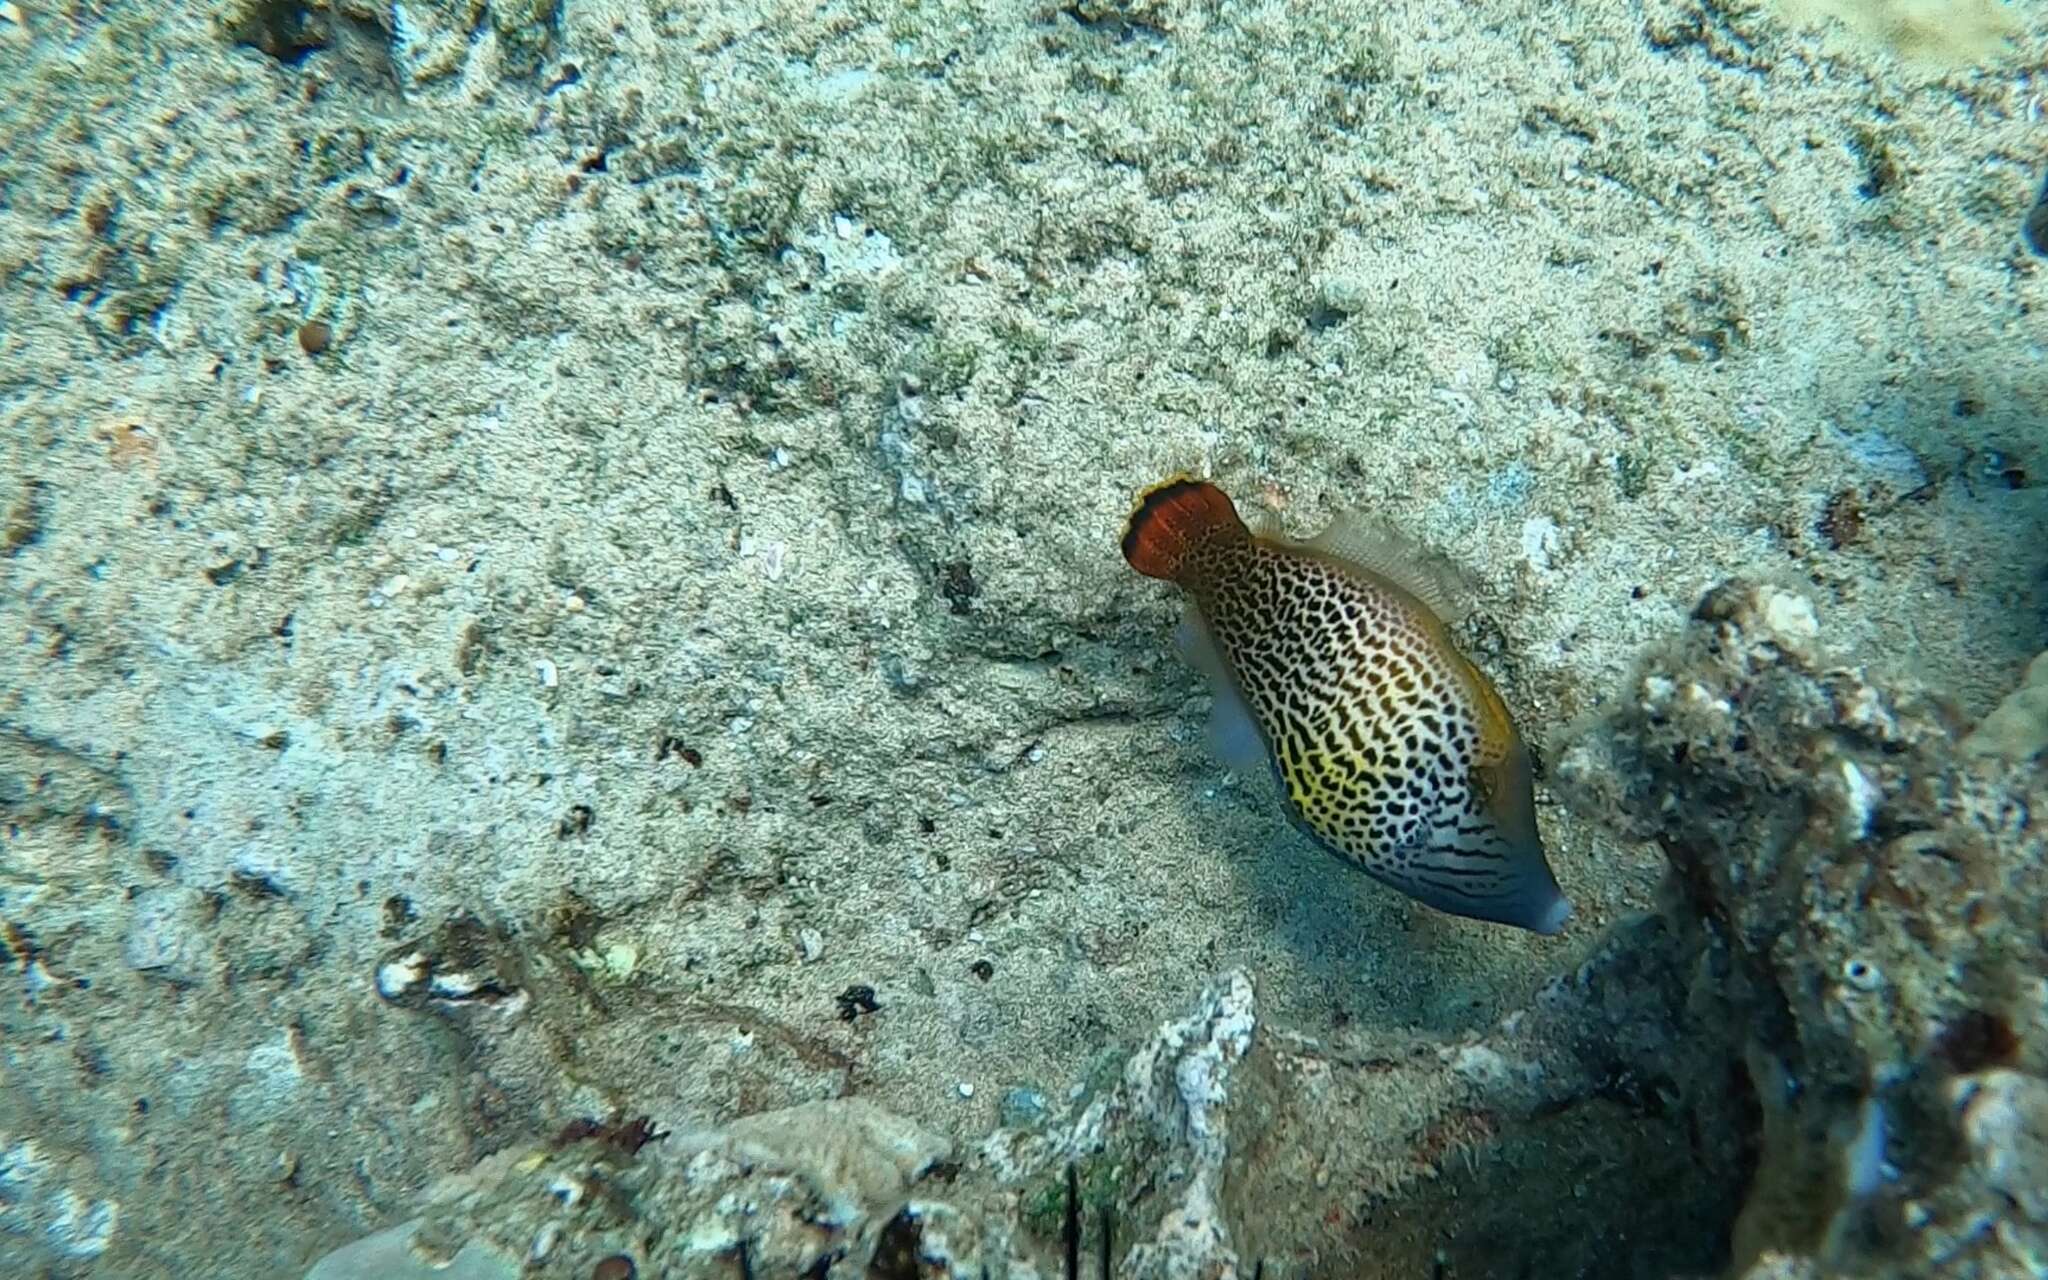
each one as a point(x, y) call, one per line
point(1331, 665)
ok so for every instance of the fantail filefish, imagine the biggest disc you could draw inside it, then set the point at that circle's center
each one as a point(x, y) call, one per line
point(1330, 662)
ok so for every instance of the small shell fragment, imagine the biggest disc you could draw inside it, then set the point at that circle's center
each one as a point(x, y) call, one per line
point(400, 976)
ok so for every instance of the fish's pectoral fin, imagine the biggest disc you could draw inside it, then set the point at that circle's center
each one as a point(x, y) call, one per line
point(1366, 542)
point(1234, 735)
point(1192, 641)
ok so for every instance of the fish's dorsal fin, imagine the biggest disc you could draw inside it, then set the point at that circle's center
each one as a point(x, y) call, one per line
point(1372, 544)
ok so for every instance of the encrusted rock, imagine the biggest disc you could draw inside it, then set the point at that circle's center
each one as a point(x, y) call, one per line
point(784, 1193)
point(1226, 1148)
point(1863, 902)
point(462, 964)
point(2016, 731)
point(1180, 1084)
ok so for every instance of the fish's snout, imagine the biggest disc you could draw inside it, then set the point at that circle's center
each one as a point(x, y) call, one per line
point(1527, 896)
point(1539, 905)
point(1551, 919)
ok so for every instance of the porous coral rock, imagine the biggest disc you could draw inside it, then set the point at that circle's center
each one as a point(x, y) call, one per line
point(787, 1193)
point(1864, 909)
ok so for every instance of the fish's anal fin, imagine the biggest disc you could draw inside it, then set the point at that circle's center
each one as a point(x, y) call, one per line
point(1191, 640)
point(1366, 542)
point(1233, 734)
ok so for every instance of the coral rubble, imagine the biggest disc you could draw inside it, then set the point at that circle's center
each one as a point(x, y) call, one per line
point(1862, 889)
point(1824, 1053)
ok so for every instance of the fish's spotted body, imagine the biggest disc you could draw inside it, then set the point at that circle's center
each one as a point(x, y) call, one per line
point(1391, 749)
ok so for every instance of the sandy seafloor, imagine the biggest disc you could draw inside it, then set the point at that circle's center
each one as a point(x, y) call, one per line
point(693, 555)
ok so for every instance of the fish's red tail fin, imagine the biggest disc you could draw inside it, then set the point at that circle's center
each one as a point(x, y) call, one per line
point(1174, 518)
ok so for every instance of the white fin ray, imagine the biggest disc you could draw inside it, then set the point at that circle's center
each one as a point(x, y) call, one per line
point(1264, 522)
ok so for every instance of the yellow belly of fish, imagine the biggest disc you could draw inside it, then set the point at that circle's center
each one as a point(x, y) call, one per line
point(1360, 806)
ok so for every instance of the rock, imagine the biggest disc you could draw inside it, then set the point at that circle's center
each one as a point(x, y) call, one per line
point(852, 1146)
point(1825, 1051)
point(936, 1240)
point(44, 1216)
point(1858, 900)
point(2016, 731)
point(1226, 1148)
point(785, 1193)
point(389, 1255)
point(1180, 1084)
point(1021, 1106)
point(462, 965)
point(164, 936)
point(2004, 1117)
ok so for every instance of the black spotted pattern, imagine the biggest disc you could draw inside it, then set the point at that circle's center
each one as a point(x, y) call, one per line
point(1376, 725)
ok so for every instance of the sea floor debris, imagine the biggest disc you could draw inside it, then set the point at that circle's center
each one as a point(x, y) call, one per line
point(1824, 1051)
point(557, 560)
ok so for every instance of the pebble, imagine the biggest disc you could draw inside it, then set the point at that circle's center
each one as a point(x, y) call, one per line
point(455, 986)
point(544, 1241)
point(159, 935)
point(1540, 542)
point(400, 976)
point(620, 959)
point(1021, 1106)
